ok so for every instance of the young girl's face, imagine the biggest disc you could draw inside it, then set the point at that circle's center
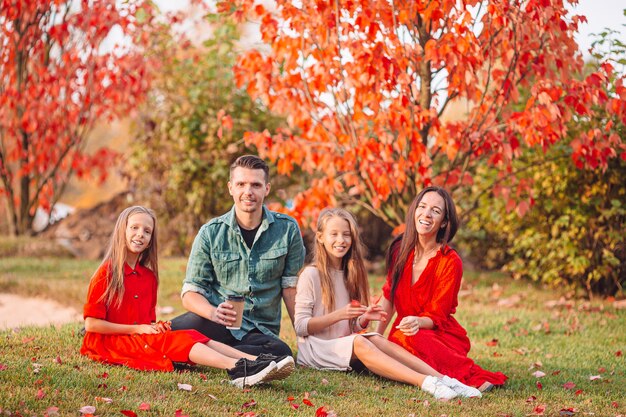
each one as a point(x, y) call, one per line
point(139, 232)
point(337, 239)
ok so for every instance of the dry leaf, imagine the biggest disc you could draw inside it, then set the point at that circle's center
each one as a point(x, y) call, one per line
point(184, 387)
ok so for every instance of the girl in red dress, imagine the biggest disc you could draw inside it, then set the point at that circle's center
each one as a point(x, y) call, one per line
point(120, 313)
point(423, 280)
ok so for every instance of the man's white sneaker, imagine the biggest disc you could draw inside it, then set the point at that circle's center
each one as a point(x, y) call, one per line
point(437, 388)
point(460, 388)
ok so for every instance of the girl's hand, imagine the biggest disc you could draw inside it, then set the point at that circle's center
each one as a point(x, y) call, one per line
point(351, 310)
point(146, 329)
point(375, 313)
point(163, 326)
point(409, 325)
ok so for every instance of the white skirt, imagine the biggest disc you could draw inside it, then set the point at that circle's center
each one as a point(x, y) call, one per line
point(328, 354)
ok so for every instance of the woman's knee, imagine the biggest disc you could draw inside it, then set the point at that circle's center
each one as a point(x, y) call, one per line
point(363, 347)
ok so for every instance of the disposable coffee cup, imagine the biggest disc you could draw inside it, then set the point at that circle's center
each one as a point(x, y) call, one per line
point(237, 302)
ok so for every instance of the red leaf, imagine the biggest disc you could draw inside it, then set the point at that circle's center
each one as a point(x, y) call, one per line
point(58, 360)
point(307, 402)
point(294, 406)
point(3, 367)
point(103, 376)
point(128, 413)
point(179, 413)
point(539, 386)
point(538, 411)
point(493, 342)
point(144, 406)
point(321, 412)
point(569, 385)
point(614, 404)
point(249, 404)
point(619, 352)
point(531, 399)
point(578, 392)
point(40, 394)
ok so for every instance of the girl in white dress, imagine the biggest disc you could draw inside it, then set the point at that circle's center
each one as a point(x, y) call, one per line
point(333, 313)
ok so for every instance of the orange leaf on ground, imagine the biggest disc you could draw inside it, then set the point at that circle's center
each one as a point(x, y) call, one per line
point(129, 413)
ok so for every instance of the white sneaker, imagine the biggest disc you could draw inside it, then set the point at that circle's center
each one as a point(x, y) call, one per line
point(460, 388)
point(437, 388)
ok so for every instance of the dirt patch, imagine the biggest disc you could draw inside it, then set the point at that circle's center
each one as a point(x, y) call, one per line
point(17, 311)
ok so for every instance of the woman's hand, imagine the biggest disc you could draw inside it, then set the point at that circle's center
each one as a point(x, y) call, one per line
point(409, 325)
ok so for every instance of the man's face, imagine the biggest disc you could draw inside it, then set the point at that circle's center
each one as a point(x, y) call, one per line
point(249, 189)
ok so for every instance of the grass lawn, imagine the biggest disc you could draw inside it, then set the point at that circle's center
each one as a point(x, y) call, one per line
point(522, 330)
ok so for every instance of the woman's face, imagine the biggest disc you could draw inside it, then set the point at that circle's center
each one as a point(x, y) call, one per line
point(430, 214)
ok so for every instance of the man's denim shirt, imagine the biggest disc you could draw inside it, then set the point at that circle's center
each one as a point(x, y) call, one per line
point(221, 264)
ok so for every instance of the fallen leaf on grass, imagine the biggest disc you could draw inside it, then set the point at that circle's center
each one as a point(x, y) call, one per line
point(203, 377)
point(539, 385)
point(294, 406)
point(531, 399)
point(324, 381)
point(558, 371)
point(249, 404)
point(3, 367)
point(618, 353)
point(539, 374)
point(567, 411)
point(511, 301)
point(144, 406)
point(578, 392)
point(179, 413)
point(51, 412)
point(614, 404)
point(88, 409)
point(104, 375)
point(128, 413)
point(58, 360)
point(321, 412)
point(594, 377)
point(307, 402)
point(538, 410)
point(185, 387)
point(493, 342)
point(569, 385)
point(40, 394)
point(103, 400)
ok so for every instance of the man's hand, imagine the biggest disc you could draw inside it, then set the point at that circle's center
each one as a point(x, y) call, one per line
point(224, 314)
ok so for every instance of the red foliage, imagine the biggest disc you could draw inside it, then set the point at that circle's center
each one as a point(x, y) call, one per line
point(367, 91)
point(61, 72)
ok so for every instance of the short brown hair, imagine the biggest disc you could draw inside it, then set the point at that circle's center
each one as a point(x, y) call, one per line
point(251, 162)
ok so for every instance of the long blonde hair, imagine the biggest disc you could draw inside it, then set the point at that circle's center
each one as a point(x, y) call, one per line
point(115, 256)
point(354, 273)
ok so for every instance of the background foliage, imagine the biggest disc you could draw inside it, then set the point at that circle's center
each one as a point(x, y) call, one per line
point(190, 131)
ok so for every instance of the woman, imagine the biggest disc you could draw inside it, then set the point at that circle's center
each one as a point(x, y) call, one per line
point(423, 280)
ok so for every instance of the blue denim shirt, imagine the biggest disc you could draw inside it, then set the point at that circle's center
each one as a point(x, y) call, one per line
point(221, 264)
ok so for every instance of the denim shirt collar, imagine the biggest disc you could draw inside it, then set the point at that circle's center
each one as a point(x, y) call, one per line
point(231, 220)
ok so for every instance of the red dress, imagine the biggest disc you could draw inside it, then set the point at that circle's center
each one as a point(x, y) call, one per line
point(154, 352)
point(434, 295)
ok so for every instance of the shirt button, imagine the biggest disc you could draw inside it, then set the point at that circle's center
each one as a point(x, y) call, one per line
point(136, 296)
point(145, 347)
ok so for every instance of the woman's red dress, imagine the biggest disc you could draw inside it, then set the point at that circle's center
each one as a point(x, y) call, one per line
point(154, 352)
point(434, 295)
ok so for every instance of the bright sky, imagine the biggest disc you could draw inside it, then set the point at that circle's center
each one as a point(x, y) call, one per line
point(600, 15)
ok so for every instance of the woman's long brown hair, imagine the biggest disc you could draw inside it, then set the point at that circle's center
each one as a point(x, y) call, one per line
point(115, 256)
point(402, 246)
point(352, 265)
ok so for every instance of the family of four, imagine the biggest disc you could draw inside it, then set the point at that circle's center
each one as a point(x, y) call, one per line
point(257, 253)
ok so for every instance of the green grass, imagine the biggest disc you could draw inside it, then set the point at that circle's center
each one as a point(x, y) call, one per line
point(568, 344)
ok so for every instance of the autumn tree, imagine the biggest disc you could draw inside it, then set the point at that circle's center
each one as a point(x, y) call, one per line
point(370, 88)
point(64, 65)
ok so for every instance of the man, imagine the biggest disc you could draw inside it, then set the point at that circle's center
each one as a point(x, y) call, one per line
point(249, 251)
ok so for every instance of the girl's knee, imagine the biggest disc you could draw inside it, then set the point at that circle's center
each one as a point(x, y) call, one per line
point(362, 346)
